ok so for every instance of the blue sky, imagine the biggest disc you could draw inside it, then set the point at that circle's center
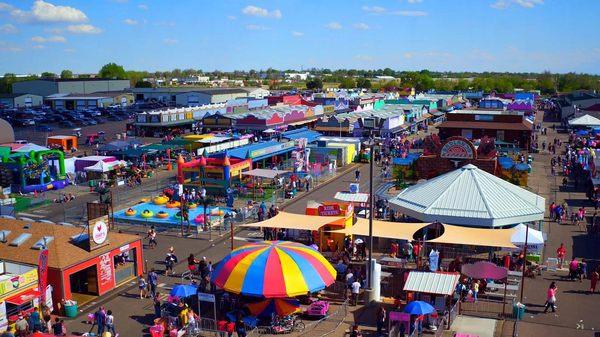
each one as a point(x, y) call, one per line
point(475, 35)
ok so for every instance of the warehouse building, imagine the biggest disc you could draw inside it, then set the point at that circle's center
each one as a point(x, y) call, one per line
point(10, 101)
point(47, 87)
point(84, 101)
point(196, 96)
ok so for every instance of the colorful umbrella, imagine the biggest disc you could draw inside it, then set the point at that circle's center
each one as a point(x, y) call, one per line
point(279, 306)
point(273, 269)
point(183, 290)
point(419, 308)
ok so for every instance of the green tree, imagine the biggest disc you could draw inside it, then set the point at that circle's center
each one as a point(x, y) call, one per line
point(66, 74)
point(112, 70)
point(347, 83)
point(363, 83)
point(314, 84)
point(47, 74)
point(143, 84)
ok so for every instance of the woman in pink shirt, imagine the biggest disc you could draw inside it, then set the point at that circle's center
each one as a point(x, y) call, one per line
point(551, 298)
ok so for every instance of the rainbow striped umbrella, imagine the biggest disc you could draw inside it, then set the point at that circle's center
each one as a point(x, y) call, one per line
point(280, 306)
point(273, 269)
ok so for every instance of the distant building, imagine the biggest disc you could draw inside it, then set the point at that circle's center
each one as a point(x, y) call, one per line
point(195, 96)
point(86, 101)
point(384, 78)
point(47, 87)
point(11, 101)
point(297, 76)
point(578, 100)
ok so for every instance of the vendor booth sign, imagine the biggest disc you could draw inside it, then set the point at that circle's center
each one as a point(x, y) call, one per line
point(98, 232)
point(271, 149)
point(18, 282)
point(329, 210)
point(457, 148)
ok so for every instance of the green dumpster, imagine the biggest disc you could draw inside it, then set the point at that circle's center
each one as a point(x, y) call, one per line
point(71, 310)
point(519, 311)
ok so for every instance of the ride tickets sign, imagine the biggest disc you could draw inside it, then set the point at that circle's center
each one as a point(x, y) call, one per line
point(457, 149)
point(329, 210)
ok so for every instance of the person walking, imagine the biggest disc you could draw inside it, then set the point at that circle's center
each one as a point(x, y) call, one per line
point(142, 285)
point(355, 290)
point(157, 305)
point(560, 255)
point(357, 175)
point(152, 238)
point(240, 326)
point(594, 277)
point(380, 320)
point(153, 282)
point(551, 298)
point(475, 290)
point(99, 320)
point(110, 323)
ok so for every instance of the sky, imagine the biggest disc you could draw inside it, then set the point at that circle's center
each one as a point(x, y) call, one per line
point(441, 35)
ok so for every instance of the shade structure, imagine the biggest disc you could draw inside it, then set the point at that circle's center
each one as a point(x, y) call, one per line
point(484, 270)
point(534, 237)
point(469, 196)
point(278, 306)
point(352, 197)
point(486, 237)
point(585, 120)
point(384, 229)
point(418, 308)
point(431, 283)
point(264, 173)
point(183, 290)
point(295, 221)
point(273, 269)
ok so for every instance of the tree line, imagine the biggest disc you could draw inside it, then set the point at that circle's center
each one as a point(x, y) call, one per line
point(424, 80)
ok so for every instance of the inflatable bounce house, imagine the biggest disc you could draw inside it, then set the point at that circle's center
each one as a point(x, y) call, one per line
point(404, 167)
point(512, 171)
point(32, 172)
point(216, 174)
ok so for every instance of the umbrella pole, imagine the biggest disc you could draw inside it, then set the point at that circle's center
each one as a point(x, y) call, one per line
point(524, 263)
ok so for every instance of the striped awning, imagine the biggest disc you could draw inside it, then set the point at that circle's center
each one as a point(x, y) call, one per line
point(431, 283)
point(352, 197)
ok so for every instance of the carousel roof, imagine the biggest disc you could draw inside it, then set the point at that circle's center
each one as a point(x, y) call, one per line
point(469, 196)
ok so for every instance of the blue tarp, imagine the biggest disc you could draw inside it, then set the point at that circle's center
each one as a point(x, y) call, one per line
point(409, 160)
point(243, 152)
point(310, 135)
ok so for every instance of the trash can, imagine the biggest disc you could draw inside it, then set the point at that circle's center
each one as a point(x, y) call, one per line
point(71, 310)
point(519, 311)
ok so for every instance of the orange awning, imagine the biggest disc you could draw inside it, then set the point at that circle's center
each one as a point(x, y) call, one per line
point(295, 221)
point(24, 297)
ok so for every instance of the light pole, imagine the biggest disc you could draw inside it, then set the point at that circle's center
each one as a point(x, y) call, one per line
point(371, 145)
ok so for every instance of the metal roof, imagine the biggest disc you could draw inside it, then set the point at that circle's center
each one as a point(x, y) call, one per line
point(469, 196)
point(352, 197)
point(431, 283)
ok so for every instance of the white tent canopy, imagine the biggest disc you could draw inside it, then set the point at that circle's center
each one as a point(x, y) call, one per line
point(31, 147)
point(469, 196)
point(102, 166)
point(585, 120)
point(352, 197)
point(535, 238)
point(264, 173)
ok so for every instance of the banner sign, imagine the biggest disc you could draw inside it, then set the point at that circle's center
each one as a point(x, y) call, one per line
point(43, 273)
point(457, 149)
point(329, 210)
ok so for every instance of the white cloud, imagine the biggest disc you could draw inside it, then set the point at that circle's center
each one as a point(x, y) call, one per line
point(261, 12)
point(295, 33)
point(170, 41)
point(5, 47)
point(364, 58)
point(42, 11)
point(373, 9)
point(53, 38)
point(256, 27)
point(503, 4)
point(130, 22)
point(143, 7)
point(39, 46)
point(8, 29)
point(83, 29)
point(4, 7)
point(333, 25)
point(409, 13)
point(408, 55)
point(231, 17)
point(361, 26)
point(414, 1)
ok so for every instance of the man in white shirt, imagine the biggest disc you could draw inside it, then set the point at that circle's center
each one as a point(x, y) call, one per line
point(355, 291)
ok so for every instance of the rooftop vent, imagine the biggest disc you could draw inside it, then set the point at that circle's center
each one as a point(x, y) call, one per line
point(20, 239)
point(42, 243)
point(4, 235)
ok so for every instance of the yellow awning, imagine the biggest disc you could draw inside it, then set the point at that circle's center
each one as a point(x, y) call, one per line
point(295, 221)
point(384, 229)
point(459, 235)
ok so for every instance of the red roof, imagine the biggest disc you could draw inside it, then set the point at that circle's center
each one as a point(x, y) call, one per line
point(523, 126)
point(595, 107)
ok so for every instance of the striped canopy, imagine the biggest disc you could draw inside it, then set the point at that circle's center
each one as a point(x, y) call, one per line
point(280, 306)
point(273, 269)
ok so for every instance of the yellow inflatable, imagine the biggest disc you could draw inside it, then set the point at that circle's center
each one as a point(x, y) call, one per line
point(192, 205)
point(162, 215)
point(146, 214)
point(145, 199)
point(130, 212)
point(173, 204)
point(160, 200)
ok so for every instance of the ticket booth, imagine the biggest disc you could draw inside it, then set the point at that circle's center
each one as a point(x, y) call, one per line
point(327, 240)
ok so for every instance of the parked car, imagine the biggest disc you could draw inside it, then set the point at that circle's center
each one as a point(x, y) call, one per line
point(66, 124)
point(43, 128)
point(90, 121)
point(24, 122)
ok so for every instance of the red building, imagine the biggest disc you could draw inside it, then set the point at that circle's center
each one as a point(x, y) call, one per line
point(507, 126)
point(81, 266)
